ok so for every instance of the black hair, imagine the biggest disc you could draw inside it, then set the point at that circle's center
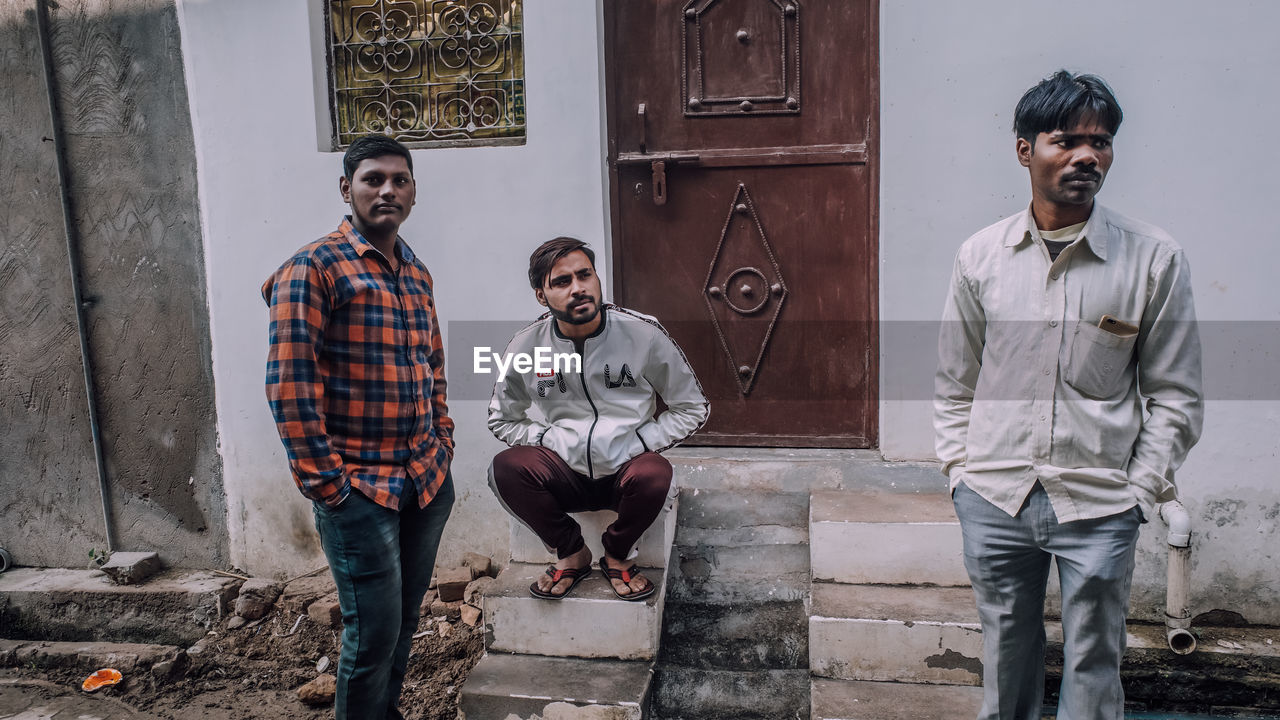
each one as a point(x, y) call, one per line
point(372, 146)
point(1061, 100)
point(550, 252)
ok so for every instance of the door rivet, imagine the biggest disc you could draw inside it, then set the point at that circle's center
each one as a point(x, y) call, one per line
point(695, 103)
point(744, 371)
point(714, 291)
point(743, 36)
point(745, 106)
point(740, 208)
point(792, 103)
point(776, 288)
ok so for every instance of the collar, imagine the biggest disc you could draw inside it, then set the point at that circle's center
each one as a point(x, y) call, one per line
point(1094, 233)
point(363, 246)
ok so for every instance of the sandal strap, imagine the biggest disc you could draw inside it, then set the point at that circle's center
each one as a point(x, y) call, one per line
point(630, 573)
point(558, 574)
point(624, 575)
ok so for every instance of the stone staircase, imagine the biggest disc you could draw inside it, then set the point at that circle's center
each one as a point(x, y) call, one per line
point(892, 627)
point(846, 547)
point(54, 617)
point(735, 643)
point(587, 650)
point(798, 585)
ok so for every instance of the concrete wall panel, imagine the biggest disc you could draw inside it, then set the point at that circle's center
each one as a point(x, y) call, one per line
point(48, 485)
point(131, 168)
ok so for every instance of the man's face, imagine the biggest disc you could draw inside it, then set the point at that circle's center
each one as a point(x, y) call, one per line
point(381, 193)
point(571, 290)
point(1068, 166)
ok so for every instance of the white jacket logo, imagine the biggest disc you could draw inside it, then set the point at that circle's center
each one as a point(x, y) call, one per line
point(624, 378)
point(544, 385)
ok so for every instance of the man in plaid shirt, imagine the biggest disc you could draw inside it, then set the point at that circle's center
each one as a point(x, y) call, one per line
point(355, 380)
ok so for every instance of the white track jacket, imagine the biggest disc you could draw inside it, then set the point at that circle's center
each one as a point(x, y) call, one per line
point(598, 419)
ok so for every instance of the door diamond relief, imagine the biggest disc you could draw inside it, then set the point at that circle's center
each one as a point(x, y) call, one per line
point(744, 291)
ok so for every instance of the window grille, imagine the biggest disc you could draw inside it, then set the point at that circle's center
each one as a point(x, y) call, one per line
point(427, 72)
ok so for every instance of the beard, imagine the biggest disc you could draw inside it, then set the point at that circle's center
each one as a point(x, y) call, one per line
point(568, 317)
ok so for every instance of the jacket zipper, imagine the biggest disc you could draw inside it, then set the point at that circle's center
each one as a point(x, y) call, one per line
point(583, 377)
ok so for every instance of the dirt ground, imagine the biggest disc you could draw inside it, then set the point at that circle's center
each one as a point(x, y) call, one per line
point(254, 671)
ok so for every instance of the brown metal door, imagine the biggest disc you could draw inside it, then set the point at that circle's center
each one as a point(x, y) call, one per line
point(744, 181)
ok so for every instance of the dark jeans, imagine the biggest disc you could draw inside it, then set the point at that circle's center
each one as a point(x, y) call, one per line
point(381, 561)
point(541, 490)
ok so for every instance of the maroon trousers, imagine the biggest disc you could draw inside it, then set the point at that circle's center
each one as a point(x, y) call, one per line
point(541, 490)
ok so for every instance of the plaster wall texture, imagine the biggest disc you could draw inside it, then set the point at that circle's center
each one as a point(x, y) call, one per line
point(1187, 159)
point(46, 461)
point(131, 177)
point(266, 190)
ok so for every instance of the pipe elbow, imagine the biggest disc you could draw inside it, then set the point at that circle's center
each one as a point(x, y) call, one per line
point(1181, 641)
point(1175, 515)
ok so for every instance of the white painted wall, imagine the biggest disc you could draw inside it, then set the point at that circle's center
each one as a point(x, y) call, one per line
point(1193, 156)
point(266, 191)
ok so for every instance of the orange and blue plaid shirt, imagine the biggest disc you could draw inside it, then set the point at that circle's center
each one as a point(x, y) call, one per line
point(355, 372)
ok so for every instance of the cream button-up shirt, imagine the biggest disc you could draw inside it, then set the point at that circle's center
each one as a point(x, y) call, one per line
point(1031, 389)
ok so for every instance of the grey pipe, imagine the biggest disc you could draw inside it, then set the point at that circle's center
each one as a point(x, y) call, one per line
point(73, 258)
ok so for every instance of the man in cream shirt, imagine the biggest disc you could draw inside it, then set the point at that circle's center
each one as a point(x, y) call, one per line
point(1060, 323)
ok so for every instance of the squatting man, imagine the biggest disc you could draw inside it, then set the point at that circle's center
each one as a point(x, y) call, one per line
point(1061, 321)
point(593, 441)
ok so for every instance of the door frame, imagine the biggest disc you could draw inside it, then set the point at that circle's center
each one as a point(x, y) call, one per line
point(611, 68)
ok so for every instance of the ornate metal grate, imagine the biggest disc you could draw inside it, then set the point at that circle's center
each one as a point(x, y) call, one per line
point(427, 72)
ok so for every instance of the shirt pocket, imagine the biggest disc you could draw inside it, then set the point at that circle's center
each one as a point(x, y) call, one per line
point(1098, 361)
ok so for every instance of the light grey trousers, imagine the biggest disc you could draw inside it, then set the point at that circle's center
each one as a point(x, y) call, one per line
point(1008, 562)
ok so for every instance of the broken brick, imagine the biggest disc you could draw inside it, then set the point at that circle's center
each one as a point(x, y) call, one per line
point(326, 612)
point(453, 583)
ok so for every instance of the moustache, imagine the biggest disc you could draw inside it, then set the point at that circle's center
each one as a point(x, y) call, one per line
point(1083, 175)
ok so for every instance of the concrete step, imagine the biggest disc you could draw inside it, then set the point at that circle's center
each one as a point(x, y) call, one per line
point(172, 608)
point(29, 699)
point(743, 518)
point(886, 538)
point(857, 700)
point(683, 693)
point(738, 547)
point(791, 470)
point(755, 636)
point(1232, 668)
point(590, 623)
point(898, 634)
point(653, 549)
point(523, 685)
point(125, 657)
point(931, 635)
